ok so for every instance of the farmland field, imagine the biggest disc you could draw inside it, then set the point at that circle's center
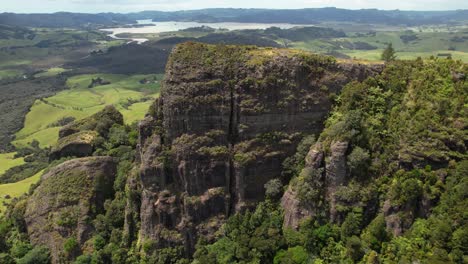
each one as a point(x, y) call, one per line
point(13, 190)
point(8, 161)
point(408, 44)
point(131, 97)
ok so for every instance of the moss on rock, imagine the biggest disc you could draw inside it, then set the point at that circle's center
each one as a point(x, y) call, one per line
point(67, 200)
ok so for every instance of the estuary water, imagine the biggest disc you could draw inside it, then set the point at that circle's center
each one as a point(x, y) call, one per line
point(170, 26)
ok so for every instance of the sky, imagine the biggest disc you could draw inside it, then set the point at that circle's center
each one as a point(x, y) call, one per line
point(125, 6)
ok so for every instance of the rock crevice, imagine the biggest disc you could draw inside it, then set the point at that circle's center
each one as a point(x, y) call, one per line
point(227, 118)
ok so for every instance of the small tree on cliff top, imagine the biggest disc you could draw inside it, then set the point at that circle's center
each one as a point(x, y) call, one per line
point(389, 53)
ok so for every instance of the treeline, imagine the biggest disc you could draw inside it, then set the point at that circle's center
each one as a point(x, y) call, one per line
point(64, 20)
point(307, 16)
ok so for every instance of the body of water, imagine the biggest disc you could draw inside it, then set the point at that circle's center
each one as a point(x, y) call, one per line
point(170, 26)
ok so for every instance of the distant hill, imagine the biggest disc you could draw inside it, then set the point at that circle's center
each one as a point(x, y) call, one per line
point(307, 16)
point(294, 16)
point(13, 32)
point(151, 56)
point(64, 19)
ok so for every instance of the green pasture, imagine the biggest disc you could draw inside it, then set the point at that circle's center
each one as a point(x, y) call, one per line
point(126, 93)
point(50, 72)
point(8, 161)
point(427, 44)
point(9, 191)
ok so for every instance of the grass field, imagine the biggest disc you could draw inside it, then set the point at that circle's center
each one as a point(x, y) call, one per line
point(16, 189)
point(374, 55)
point(45, 49)
point(50, 72)
point(10, 73)
point(7, 161)
point(426, 44)
point(80, 101)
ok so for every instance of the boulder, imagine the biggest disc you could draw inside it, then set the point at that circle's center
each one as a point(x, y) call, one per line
point(65, 203)
point(80, 144)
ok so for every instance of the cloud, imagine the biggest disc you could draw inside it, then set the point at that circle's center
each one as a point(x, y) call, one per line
point(95, 6)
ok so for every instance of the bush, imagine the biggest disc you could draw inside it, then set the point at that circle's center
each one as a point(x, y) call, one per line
point(406, 191)
point(99, 242)
point(354, 247)
point(83, 259)
point(351, 225)
point(292, 166)
point(117, 136)
point(20, 249)
point(294, 255)
point(70, 245)
point(248, 238)
point(376, 233)
point(308, 186)
point(316, 236)
point(38, 255)
point(358, 161)
point(273, 188)
point(6, 259)
point(123, 169)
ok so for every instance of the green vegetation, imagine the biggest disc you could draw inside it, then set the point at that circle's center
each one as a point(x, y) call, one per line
point(370, 45)
point(389, 53)
point(132, 95)
point(34, 159)
point(14, 190)
point(9, 73)
point(253, 237)
point(8, 160)
point(400, 146)
point(50, 72)
point(349, 41)
point(38, 255)
point(43, 49)
point(402, 200)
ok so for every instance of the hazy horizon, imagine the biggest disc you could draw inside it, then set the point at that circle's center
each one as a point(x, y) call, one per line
point(128, 6)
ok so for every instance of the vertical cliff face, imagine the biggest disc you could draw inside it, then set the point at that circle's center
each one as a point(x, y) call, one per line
point(227, 118)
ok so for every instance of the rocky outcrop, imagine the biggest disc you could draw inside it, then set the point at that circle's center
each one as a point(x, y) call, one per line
point(294, 211)
point(64, 205)
point(335, 174)
point(80, 144)
point(78, 139)
point(227, 118)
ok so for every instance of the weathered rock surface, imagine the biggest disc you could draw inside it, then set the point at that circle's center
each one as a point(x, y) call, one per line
point(65, 203)
point(294, 211)
point(335, 173)
point(227, 118)
point(80, 144)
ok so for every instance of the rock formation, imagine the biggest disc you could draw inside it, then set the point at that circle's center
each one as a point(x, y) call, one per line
point(79, 137)
point(227, 118)
point(64, 205)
